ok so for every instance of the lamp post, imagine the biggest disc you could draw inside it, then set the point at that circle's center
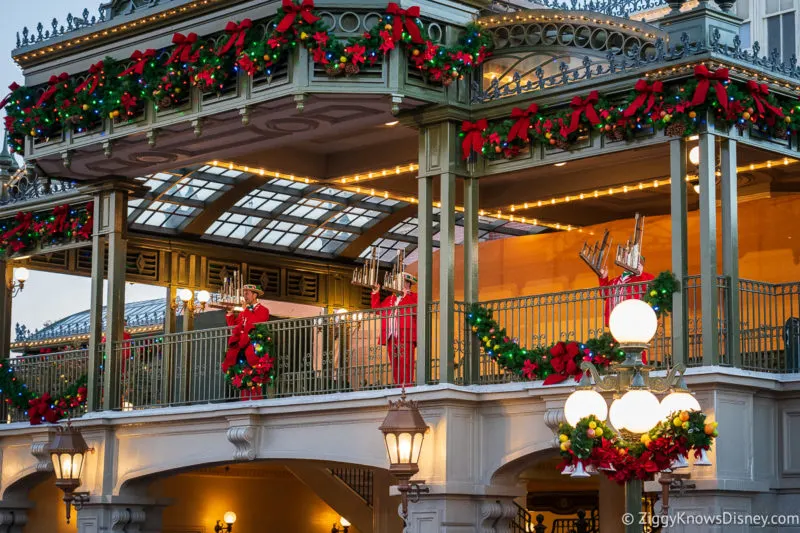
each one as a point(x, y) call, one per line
point(635, 409)
point(403, 431)
point(68, 451)
point(226, 524)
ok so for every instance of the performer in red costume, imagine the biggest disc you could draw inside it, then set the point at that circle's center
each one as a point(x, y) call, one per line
point(620, 290)
point(399, 329)
point(239, 341)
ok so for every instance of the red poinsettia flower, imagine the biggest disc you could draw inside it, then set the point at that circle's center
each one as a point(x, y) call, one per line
point(356, 53)
point(529, 369)
point(237, 381)
point(320, 56)
point(321, 38)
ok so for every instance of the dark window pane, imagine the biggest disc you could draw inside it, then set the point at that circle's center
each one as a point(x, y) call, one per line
point(788, 35)
point(773, 34)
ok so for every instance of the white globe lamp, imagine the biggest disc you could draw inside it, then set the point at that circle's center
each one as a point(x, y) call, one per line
point(185, 295)
point(694, 155)
point(583, 403)
point(638, 411)
point(616, 414)
point(633, 322)
point(679, 401)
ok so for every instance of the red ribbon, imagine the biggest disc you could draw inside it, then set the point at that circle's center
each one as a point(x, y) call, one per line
point(473, 136)
point(24, 221)
point(95, 71)
point(523, 122)
point(128, 102)
point(407, 20)
point(759, 92)
point(705, 78)
point(183, 48)
point(54, 83)
point(581, 107)
point(141, 59)
point(59, 224)
point(647, 93)
point(13, 87)
point(238, 33)
point(292, 10)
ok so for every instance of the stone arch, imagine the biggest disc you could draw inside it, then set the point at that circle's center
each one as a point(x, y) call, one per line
point(517, 461)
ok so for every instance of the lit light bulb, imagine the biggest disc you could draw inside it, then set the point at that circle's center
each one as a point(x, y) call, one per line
point(229, 517)
point(203, 296)
point(185, 295)
point(633, 322)
point(694, 155)
point(583, 403)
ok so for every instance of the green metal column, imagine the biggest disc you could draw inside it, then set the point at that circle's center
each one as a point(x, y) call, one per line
point(680, 340)
point(95, 362)
point(447, 256)
point(115, 299)
point(5, 309)
point(708, 249)
point(730, 249)
point(471, 209)
point(425, 275)
point(633, 506)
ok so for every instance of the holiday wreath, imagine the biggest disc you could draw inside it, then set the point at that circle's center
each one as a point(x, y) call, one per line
point(244, 376)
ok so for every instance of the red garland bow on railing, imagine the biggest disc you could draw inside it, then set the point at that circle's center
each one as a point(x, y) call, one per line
point(183, 48)
point(51, 90)
point(759, 92)
point(473, 136)
point(23, 220)
point(562, 359)
point(13, 87)
point(407, 20)
point(522, 122)
point(292, 10)
point(705, 77)
point(128, 102)
point(647, 93)
point(95, 72)
point(140, 60)
point(238, 33)
point(59, 224)
point(583, 107)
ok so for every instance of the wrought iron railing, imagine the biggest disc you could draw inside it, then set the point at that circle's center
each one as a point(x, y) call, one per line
point(769, 326)
point(51, 373)
point(318, 355)
point(359, 480)
point(523, 522)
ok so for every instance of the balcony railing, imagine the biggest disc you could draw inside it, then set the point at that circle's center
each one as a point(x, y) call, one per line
point(349, 352)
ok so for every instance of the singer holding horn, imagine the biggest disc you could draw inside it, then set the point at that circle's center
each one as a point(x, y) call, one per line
point(399, 329)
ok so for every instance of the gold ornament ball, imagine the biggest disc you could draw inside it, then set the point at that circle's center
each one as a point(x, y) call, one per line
point(497, 149)
point(746, 115)
point(564, 438)
point(343, 59)
point(85, 107)
point(303, 36)
point(388, 27)
point(667, 118)
point(677, 422)
point(593, 424)
point(788, 120)
point(415, 53)
point(692, 114)
point(474, 329)
point(653, 293)
point(598, 432)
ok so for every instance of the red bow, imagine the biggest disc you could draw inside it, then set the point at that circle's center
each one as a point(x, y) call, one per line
point(581, 107)
point(183, 48)
point(759, 92)
point(520, 127)
point(292, 10)
point(128, 102)
point(238, 33)
point(54, 83)
point(407, 17)
point(705, 77)
point(13, 87)
point(95, 72)
point(59, 223)
point(140, 60)
point(647, 93)
point(562, 359)
point(24, 221)
point(473, 136)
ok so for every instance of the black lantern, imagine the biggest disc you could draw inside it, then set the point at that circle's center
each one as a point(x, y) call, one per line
point(68, 453)
point(403, 431)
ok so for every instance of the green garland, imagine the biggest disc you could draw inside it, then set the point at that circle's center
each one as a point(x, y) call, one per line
point(118, 90)
point(672, 109)
point(28, 230)
point(562, 360)
point(660, 291)
point(40, 407)
point(593, 442)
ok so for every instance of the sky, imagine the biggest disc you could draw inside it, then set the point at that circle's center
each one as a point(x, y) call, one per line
point(49, 297)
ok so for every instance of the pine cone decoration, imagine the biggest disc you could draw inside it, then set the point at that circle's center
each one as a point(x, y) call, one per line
point(75, 119)
point(561, 144)
point(351, 68)
point(675, 129)
point(617, 134)
point(165, 102)
point(331, 69)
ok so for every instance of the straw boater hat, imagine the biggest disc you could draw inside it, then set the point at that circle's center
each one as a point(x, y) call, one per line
point(409, 277)
point(253, 288)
